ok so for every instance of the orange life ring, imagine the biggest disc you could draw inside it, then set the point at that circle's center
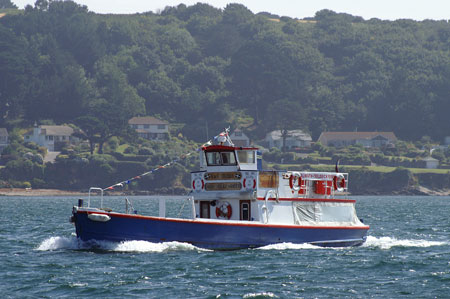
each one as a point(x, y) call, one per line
point(223, 210)
point(295, 176)
point(339, 182)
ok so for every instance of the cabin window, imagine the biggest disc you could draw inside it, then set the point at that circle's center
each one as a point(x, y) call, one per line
point(246, 157)
point(220, 158)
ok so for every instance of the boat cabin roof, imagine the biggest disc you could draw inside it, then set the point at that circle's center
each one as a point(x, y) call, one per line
point(228, 158)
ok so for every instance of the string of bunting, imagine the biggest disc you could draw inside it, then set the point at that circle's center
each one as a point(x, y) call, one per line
point(138, 177)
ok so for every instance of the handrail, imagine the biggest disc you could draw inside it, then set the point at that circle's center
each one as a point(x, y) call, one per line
point(128, 205)
point(101, 196)
point(191, 199)
point(266, 200)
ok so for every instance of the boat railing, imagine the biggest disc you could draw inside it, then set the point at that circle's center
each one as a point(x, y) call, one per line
point(162, 207)
point(129, 209)
point(101, 196)
point(270, 193)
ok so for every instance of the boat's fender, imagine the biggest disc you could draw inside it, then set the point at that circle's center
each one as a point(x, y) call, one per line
point(339, 182)
point(99, 217)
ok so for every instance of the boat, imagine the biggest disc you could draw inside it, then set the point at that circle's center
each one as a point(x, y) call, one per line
point(236, 204)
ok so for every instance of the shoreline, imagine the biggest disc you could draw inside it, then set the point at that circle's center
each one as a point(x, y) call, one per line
point(418, 191)
point(38, 192)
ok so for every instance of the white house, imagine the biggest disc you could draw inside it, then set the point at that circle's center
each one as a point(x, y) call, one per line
point(431, 162)
point(54, 138)
point(366, 139)
point(150, 127)
point(294, 139)
point(3, 139)
point(447, 140)
point(239, 138)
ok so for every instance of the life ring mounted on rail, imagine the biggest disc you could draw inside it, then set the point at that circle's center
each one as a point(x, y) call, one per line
point(198, 185)
point(223, 210)
point(339, 182)
point(295, 181)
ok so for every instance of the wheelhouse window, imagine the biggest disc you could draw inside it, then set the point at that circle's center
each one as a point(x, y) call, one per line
point(246, 157)
point(220, 158)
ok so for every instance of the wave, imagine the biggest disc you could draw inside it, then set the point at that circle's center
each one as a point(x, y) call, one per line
point(72, 243)
point(371, 242)
point(388, 243)
point(260, 295)
point(287, 246)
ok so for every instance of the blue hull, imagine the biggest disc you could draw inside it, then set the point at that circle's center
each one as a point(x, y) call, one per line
point(212, 235)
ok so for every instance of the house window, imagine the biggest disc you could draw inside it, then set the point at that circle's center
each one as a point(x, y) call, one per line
point(161, 127)
point(63, 137)
point(50, 137)
point(146, 126)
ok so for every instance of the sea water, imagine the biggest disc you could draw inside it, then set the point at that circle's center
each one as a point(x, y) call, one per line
point(407, 254)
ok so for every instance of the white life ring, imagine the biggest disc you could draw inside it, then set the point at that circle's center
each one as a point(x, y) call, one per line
point(295, 177)
point(249, 183)
point(198, 184)
point(339, 182)
point(223, 210)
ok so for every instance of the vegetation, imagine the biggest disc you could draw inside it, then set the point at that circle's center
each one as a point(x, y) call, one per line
point(198, 66)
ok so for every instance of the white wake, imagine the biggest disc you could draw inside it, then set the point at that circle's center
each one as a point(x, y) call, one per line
point(287, 246)
point(58, 243)
point(388, 243)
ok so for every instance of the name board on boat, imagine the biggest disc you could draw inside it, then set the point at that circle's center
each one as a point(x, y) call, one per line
point(217, 176)
point(223, 186)
point(317, 176)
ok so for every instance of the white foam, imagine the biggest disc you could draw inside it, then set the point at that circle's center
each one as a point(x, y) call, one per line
point(287, 246)
point(260, 295)
point(56, 243)
point(143, 246)
point(388, 242)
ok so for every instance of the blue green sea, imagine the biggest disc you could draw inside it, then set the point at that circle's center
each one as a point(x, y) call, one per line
point(407, 255)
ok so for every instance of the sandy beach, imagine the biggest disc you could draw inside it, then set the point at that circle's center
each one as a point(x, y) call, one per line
point(38, 192)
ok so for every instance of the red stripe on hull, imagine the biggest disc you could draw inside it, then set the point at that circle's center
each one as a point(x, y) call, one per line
point(310, 199)
point(224, 222)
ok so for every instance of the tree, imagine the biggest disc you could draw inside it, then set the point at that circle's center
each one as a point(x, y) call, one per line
point(117, 102)
point(14, 68)
point(286, 116)
point(91, 130)
point(4, 4)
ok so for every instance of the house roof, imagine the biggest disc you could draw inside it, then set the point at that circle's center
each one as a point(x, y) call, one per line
point(243, 135)
point(430, 159)
point(146, 120)
point(56, 130)
point(295, 134)
point(3, 132)
point(355, 135)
